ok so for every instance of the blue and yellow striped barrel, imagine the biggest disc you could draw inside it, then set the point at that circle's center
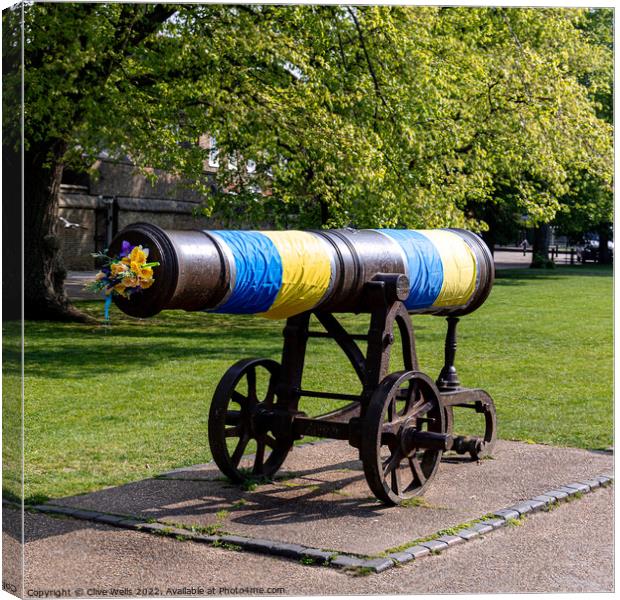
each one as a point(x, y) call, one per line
point(278, 274)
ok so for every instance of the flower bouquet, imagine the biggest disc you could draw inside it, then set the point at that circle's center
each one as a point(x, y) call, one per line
point(125, 274)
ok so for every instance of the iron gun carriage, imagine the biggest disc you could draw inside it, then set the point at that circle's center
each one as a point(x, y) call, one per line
point(401, 422)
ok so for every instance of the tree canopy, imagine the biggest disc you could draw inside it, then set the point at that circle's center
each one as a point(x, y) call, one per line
point(371, 116)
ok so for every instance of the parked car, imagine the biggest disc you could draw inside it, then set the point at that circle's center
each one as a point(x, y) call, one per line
point(590, 250)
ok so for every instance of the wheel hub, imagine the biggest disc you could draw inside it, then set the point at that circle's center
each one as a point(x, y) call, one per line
point(413, 439)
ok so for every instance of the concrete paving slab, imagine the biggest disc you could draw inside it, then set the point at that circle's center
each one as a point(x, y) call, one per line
point(401, 557)
point(12, 564)
point(325, 503)
point(494, 522)
point(482, 528)
point(569, 549)
point(468, 534)
point(417, 551)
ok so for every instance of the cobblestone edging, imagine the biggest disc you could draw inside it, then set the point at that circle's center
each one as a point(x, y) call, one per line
point(361, 564)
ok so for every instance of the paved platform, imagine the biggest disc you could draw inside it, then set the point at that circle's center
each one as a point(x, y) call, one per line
point(322, 500)
point(569, 549)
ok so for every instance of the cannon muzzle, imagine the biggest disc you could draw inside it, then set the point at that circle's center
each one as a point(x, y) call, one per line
point(278, 274)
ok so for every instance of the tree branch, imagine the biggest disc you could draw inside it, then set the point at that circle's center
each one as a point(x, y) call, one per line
point(371, 68)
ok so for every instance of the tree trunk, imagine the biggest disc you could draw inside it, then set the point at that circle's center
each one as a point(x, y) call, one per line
point(489, 239)
point(604, 255)
point(44, 273)
point(540, 248)
point(324, 212)
point(11, 234)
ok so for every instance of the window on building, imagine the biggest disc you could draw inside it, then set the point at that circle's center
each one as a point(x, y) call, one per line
point(213, 153)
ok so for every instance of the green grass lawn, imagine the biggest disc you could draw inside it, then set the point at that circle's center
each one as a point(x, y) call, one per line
point(110, 404)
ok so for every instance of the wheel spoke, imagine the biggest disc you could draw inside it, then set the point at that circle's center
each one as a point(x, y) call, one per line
point(392, 462)
point(260, 457)
point(251, 376)
point(416, 469)
point(391, 409)
point(271, 442)
point(233, 417)
point(239, 398)
point(421, 408)
point(270, 392)
point(239, 450)
point(233, 431)
point(389, 429)
point(395, 483)
point(413, 397)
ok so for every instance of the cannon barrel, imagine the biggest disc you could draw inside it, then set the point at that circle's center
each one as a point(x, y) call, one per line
point(282, 273)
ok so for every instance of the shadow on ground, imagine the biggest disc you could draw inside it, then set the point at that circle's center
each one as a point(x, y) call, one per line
point(321, 498)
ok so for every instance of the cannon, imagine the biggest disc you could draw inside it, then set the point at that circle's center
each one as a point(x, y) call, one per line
point(400, 422)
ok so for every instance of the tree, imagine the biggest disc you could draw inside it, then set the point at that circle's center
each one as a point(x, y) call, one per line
point(71, 53)
point(544, 136)
point(588, 204)
point(553, 123)
point(367, 116)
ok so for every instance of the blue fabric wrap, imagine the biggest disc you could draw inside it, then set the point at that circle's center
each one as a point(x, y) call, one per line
point(106, 307)
point(424, 267)
point(258, 272)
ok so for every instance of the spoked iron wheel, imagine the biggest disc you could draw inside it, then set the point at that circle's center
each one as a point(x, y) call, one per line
point(240, 414)
point(403, 436)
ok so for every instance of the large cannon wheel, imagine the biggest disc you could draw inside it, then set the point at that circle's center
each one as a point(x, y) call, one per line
point(238, 413)
point(403, 436)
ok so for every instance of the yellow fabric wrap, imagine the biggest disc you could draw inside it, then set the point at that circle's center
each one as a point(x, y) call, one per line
point(306, 272)
point(459, 267)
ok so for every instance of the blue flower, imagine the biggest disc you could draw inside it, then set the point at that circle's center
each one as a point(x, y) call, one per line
point(126, 249)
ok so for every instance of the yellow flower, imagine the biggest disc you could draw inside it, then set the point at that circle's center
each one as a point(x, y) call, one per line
point(146, 273)
point(100, 276)
point(118, 268)
point(146, 283)
point(120, 288)
point(137, 255)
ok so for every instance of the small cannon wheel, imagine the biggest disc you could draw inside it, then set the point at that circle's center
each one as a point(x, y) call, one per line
point(490, 431)
point(403, 436)
point(486, 445)
point(238, 414)
point(477, 447)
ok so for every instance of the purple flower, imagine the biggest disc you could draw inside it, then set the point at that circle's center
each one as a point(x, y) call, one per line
point(126, 249)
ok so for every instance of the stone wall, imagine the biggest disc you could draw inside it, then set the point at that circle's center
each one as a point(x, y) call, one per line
point(123, 179)
point(76, 244)
point(164, 203)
